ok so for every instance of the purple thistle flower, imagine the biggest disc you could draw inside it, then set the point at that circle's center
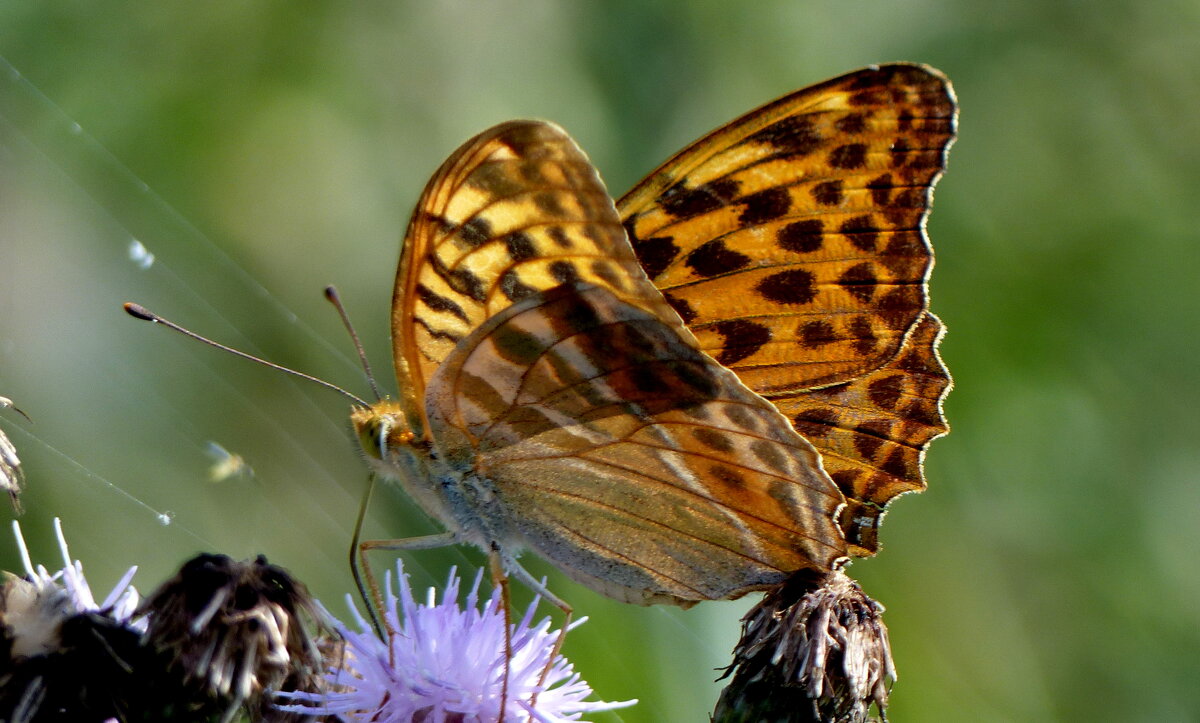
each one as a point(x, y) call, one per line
point(445, 664)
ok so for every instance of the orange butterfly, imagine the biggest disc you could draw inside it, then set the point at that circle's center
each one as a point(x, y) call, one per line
point(720, 380)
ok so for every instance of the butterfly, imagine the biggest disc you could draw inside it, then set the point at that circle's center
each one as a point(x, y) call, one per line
point(693, 392)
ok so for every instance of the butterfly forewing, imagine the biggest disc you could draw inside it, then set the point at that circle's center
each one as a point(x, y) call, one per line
point(792, 242)
point(613, 447)
point(516, 210)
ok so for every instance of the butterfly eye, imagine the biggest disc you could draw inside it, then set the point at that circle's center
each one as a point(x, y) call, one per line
point(370, 428)
point(381, 429)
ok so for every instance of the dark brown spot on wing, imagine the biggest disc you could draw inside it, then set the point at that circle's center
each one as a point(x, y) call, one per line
point(864, 334)
point(794, 135)
point(765, 205)
point(713, 439)
point(696, 378)
point(496, 180)
point(881, 189)
point(815, 423)
point(885, 392)
point(549, 204)
point(867, 97)
point(739, 415)
point(480, 390)
point(683, 202)
point(645, 379)
point(681, 307)
point(520, 246)
point(845, 480)
point(526, 140)
point(713, 258)
point(476, 232)
point(899, 305)
point(572, 315)
point(827, 193)
point(513, 288)
point(516, 346)
point(793, 286)
point(814, 334)
point(859, 280)
point(465, 282)
point(770, 454)
point(730, 477)
point(605, 271)
point(564, 272)
point(898, 463)
point(742, 338)
point(802, 236)
point(559, 236)
point(861, 232)
point(851, 123)
point(655, 254)
point(850, 156)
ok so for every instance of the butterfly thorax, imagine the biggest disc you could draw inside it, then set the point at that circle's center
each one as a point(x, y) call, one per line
point(446, 493)
point(400, 453)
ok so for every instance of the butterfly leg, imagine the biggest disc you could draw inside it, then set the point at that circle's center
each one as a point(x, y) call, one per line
point(500, 564)
point(360, 567)
point(500, 578)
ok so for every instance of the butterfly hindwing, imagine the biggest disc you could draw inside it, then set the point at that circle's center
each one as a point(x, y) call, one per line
point(872, 432)
point(610, 445)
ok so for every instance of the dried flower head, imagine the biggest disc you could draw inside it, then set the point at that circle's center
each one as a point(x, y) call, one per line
point(62, 656)
point(235, 630)
point(444, 663)
point(814, 649)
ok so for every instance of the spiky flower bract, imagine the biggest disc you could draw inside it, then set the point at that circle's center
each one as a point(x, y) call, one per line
point(814, 649)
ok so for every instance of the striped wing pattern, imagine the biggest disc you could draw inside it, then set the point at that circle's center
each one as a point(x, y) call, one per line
point(516, 210)
point(616, 449)
point(792, 243)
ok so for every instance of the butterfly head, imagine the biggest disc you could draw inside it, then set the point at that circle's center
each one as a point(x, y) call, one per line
point(384, 432)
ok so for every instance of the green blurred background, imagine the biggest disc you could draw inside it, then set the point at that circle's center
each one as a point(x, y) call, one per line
point(261, 150)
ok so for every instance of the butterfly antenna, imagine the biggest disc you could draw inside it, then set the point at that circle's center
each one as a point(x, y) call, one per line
point(140, 312)
point(332, 295)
